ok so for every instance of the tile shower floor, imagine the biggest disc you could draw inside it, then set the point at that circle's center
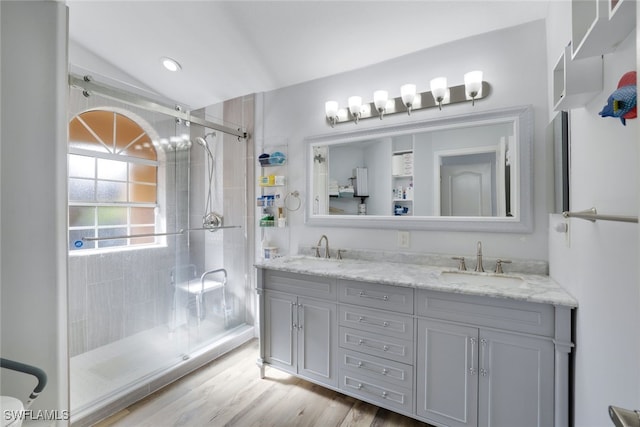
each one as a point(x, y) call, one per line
point(109, 370)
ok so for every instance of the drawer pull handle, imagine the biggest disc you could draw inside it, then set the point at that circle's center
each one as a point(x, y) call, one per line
point(364, 295)
point(361, 342)
point(384, 394)
point(362, 319)
point(359, 364)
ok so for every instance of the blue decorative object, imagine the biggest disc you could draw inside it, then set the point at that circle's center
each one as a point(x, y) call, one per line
point(622, 102)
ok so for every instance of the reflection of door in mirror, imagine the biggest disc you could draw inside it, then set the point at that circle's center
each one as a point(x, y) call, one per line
point(466, 185)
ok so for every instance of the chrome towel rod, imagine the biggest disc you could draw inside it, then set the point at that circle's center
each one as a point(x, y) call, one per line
point(172, 233)
point(593, 215)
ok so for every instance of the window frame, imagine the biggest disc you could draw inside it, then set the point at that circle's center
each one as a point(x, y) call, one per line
point(77, 246)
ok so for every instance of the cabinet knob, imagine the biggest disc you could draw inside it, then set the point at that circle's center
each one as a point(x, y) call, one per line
point(384, 371)
point(359, 386)
point(385, 348)
point(359, 364)
point(360, 342)
point(360, 319)
point(384, 394)
point(385, 324)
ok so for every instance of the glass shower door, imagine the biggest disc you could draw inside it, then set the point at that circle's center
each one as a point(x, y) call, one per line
point(140, 183)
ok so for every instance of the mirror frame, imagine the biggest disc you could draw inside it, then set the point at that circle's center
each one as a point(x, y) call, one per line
point(522, 117)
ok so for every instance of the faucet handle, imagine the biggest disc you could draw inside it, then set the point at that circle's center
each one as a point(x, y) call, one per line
point(462, 266)
point(499, 263)
point(340, 252)
point(317, 248)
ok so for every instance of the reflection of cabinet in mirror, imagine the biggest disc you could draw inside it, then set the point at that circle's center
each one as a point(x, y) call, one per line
point(402, 176)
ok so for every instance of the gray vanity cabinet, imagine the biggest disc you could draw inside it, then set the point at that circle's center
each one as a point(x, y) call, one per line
point(300, 325)
point(480, 376)
point(376, 353)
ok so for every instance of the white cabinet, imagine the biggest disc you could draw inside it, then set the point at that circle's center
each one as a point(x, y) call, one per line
point(481, 377)
point(575, 82)
point(598, 26)
point(299, 329)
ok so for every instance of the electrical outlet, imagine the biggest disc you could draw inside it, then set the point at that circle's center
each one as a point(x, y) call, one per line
point(404, 240)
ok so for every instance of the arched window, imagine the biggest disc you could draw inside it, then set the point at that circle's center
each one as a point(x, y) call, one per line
point(113, 179)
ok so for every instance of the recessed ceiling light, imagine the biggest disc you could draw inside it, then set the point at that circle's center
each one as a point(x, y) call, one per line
point(170, 64)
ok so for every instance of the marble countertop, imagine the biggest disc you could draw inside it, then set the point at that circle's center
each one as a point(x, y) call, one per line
point(518, 286)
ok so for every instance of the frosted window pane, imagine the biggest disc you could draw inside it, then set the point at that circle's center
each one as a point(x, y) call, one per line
point(142, 173)
point(80, 216)
point(82, 166)
point(112, 216)
point(142, 230)
point(112, 191)
point(81, 190)
point(110, 232)
point(75, 240)
point(112, 169)
point(142, 193)
point(142, 215)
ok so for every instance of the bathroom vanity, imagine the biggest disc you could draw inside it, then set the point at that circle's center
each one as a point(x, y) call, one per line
point(445, 347)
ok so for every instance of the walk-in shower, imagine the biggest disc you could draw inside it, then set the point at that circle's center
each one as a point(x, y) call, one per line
point(152, 287)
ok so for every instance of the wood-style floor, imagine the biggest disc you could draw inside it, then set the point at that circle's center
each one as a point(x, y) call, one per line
point(229, 392)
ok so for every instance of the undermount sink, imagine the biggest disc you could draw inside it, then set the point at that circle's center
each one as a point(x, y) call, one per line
point(459, 277)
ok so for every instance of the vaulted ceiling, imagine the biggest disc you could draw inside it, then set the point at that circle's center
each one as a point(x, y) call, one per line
point(233, 48)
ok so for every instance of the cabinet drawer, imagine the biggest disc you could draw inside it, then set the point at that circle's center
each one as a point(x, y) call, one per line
point(377, 345)
point(381, 322)
point(384, 395)
point(388, 371)
point(300, 284)
point(517, 316)
point(374, 295)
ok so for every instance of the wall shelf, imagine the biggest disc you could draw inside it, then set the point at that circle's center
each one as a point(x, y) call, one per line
point(598, 26)
point(576, 81)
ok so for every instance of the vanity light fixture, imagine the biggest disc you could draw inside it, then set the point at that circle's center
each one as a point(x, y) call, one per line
point(473, 84)
point(355, 107)
point(408, 94)
point(380, 98)
point(170, 64)
point(331, 111)
point(438, 90)
point(474, 88)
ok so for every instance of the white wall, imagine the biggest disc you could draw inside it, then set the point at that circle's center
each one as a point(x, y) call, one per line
point(597, 262)
point(514, 63)
point(33, 197)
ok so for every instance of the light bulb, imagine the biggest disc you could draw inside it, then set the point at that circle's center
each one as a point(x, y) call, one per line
point(408, 93)
point(331, 111)
point(380, 98)
point(438, 89)
point(355, 107)
point(473, 84)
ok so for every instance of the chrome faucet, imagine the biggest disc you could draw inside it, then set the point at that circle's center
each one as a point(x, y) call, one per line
point(326, 248)
point(479, 266)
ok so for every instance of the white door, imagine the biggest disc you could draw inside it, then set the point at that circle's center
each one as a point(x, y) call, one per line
point(466, 190)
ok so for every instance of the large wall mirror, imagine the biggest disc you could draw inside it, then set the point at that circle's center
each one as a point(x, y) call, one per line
point(467, 173)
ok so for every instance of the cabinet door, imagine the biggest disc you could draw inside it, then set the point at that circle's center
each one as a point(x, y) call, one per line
point(317, 340)
point(281, 330)
point(516, 380)
point(447, 381)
